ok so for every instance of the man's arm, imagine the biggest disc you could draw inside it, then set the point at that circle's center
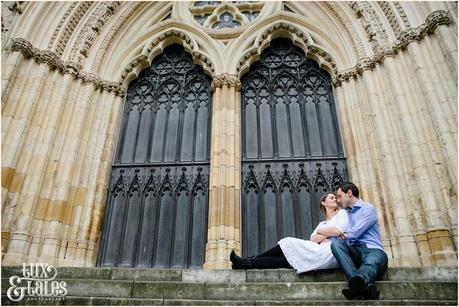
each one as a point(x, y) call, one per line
point(367, 219)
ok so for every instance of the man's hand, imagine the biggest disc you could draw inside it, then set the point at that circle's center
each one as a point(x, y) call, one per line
point(343, 236)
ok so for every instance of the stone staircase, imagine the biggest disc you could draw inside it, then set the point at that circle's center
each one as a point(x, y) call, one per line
point(131, 286)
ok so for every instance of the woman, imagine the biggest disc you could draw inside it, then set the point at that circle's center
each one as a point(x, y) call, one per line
point(303, 255)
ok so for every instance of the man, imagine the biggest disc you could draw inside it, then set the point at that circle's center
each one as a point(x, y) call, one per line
point(359, 252)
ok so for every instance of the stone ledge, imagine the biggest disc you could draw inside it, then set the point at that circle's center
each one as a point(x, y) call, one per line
point(98, 301)
point(390, 290)
point(275, 275)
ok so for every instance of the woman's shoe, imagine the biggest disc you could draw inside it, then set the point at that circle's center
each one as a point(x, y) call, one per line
point(239, 263)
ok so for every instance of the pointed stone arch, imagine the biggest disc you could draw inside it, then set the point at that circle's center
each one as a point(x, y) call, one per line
point(156, 46)
point(298, 37)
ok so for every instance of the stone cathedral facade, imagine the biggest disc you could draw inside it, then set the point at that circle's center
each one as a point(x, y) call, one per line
point(166, 134)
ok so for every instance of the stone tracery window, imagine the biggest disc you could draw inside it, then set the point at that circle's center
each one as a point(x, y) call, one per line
point(220, 15)
point(226, 21)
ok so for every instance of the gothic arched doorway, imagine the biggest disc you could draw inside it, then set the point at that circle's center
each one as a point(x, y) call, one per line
point(156, 212)
point(291, 146)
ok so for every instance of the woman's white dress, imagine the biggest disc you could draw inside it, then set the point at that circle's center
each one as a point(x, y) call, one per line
point(305, 255)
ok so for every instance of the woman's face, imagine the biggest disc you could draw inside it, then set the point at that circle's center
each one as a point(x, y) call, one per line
point(330, 202)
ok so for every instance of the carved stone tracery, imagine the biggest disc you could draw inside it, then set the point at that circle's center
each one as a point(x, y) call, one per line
point(297, 36)
point(220, 15)
point(159, 43)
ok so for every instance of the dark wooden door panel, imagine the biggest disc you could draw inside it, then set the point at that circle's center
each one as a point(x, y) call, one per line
point(156, 212)
point(292, 151)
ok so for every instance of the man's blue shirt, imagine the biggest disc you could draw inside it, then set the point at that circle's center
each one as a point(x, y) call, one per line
point(363, 225)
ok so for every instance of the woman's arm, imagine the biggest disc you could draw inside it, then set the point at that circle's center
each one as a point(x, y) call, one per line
point(317, 238)
point(338, 226)
point(329, 231)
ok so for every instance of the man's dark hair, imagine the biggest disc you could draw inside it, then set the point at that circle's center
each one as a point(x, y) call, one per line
point(346, 186)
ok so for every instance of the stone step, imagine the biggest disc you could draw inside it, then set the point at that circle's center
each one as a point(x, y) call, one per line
point(390, 290)
point(110, 301)
point(282, 291)
point(277, 275)
point(134, 286)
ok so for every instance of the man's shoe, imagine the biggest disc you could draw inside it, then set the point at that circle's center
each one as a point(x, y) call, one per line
point(372, 292)
point(348, 294)
point(357, 286)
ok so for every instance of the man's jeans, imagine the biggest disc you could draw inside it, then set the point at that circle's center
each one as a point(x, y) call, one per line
point(357, 259)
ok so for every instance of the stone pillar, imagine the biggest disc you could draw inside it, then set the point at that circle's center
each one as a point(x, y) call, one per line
point(394, 186)
point(422, 148)
point(225, 171)
point(58, 126)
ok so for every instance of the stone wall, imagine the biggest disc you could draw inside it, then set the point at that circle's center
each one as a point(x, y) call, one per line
point(66, 67)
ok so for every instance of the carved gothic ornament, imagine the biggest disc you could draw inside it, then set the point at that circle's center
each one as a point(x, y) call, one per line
point(346, 23)
point(224, 20)
point(67, 25)
point(406, 37)
point(371, 22)
point(126, 12)
point(92, 29)
point(297, 36)
point(51, 59)
point(226, 80)
point(220, 15)
point(157, 45)
point(16, 6)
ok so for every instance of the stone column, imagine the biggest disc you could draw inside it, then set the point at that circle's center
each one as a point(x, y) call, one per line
point(422, 149)
point(225, 171)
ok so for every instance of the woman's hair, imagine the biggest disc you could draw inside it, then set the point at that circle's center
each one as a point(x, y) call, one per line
point(322, 199)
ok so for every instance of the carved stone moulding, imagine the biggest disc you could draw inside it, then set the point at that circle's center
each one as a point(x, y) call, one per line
point(51, 59)
point(405, 38)
point(16, 6)
point(226, 80)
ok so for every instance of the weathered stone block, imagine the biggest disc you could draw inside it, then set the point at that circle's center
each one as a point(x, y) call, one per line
point(8, 271)
point(426, 273)
point(108, 288)
point(109, 301)
point(76, 301)
point(207, 303)
point(168, 290)
point(32, 301)
point(213, 276)
point(274, 291)
point(146, 274)
point(83, 273)
point(418, 290)
point(288, 275)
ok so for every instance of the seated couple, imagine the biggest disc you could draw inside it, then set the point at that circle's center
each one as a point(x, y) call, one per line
point(349, 238)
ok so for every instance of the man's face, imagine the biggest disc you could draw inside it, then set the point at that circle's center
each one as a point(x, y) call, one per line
point(344, 199)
